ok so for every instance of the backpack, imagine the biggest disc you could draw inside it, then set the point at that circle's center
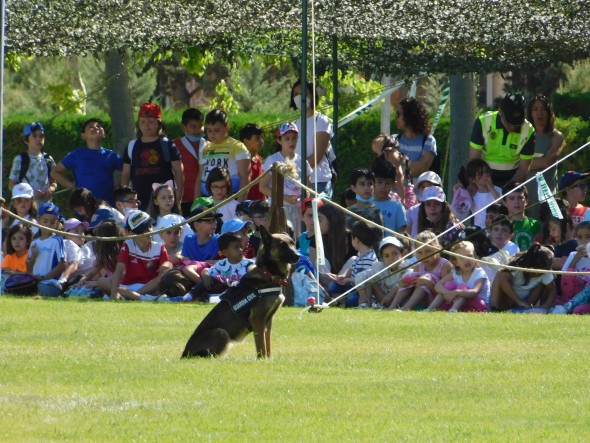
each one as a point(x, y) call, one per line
point(165, 144)
point(435, 166)
point(25, 161)
point(20, 284)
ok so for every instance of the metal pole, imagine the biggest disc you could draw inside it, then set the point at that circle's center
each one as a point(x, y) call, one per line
point(335, 91)
point(2, 26)
point(303, 133)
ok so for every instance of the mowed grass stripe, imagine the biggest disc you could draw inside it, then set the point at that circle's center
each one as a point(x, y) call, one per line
point(96, 371)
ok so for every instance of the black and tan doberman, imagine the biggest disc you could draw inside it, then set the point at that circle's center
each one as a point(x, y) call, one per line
point(249, 306)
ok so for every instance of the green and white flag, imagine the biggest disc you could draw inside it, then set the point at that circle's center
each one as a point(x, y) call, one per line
point(545, 194)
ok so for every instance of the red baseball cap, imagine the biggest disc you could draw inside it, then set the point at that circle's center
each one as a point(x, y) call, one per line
point(306, 203)
point(150, 110)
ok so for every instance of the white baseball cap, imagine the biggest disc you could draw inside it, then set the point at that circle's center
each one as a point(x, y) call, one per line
point(428, 176)
point(22, 190)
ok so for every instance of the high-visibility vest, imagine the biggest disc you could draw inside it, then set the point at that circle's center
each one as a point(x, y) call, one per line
point(503, 156)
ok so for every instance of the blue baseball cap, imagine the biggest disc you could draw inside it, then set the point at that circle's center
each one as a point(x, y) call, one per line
point(234, 225)
point(100, 216)
point(571, 177)
point(30, 128)
point(49, 208)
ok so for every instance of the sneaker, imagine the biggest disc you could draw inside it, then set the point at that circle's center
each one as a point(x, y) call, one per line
point(162, 298)
point(95, 293)
point(71, 282)
point(559, 309)
point(147, 297)
point(362, 306)
point(375, 305)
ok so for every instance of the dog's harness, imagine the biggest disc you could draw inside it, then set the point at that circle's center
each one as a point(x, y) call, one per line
point(240, 299)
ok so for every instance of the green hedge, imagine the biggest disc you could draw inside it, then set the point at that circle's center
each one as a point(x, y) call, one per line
point(572, 104)
point(354, 139)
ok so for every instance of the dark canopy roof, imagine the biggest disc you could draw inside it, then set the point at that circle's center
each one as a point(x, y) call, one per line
point(388, 36)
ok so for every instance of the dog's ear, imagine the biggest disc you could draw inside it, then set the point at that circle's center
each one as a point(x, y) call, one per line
point(265, 235)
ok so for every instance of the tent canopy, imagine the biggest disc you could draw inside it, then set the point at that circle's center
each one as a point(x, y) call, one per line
point(385, 36)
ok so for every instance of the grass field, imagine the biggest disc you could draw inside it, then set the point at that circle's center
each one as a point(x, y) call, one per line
point(97, 371)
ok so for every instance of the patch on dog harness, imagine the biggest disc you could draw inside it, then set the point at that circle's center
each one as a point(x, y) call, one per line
point(240, 298)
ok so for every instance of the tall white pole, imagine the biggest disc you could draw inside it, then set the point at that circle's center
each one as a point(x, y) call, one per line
point(2, 40)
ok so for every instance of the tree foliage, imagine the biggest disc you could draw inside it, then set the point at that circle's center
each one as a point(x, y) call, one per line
point(386, 36)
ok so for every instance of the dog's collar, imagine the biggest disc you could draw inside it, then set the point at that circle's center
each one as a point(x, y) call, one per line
point(273, 278)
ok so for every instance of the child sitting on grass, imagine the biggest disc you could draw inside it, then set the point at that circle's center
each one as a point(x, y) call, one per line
point(46, 260)
point(224, 273)
point(479, 174)
point(466, 288)
point(525, 289)
point(382, 288)
point(17, 250)
point(362, 182)
point(141, 263)
point(417, 288)
point(201, 248)
point(515, 198)
point(577, 261)
point(363, 237)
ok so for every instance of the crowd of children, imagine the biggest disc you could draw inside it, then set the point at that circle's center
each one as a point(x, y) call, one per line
point(382, 250)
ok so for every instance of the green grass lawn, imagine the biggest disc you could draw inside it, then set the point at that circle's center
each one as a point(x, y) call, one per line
point(97, 371)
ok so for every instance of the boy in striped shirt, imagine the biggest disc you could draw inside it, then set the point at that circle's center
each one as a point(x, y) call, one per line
point(363, 237)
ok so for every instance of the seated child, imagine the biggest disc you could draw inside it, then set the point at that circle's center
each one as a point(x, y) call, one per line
point(106, 256)
point(163, 204)
point(577, 261)
point(383, 286)
point(219, 188)
point(466, 288)
point(525, 289)
point(363, 237)
point(392, 211)
point(502, 250)
point(307, 237)
point(125, 200)
point(171, 238)
point(77, 264)
point(243, 229)
point(225, 272)
point(417, 288)
point(362, 182)
point(258, 212)
point(502, 234)
point(479, 173)
point(140, 266)
point(46, 260)
point(17, 250)
point(574, 186)
point(515, 198)
point(493, 211)
point(580, 302)
point(22, 204)
point(200, 249)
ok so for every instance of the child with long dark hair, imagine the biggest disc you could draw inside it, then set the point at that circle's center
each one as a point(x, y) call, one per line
point(163, 203)
point(435, 214)
point(17, 249)
point(526, 289)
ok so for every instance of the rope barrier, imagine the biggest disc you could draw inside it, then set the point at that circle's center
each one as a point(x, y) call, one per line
point(213, 209)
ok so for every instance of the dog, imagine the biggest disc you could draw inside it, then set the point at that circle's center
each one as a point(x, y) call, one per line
point(249, 306)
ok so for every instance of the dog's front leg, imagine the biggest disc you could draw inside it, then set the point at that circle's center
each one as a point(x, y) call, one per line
point(259, 336)
point(267, 329)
